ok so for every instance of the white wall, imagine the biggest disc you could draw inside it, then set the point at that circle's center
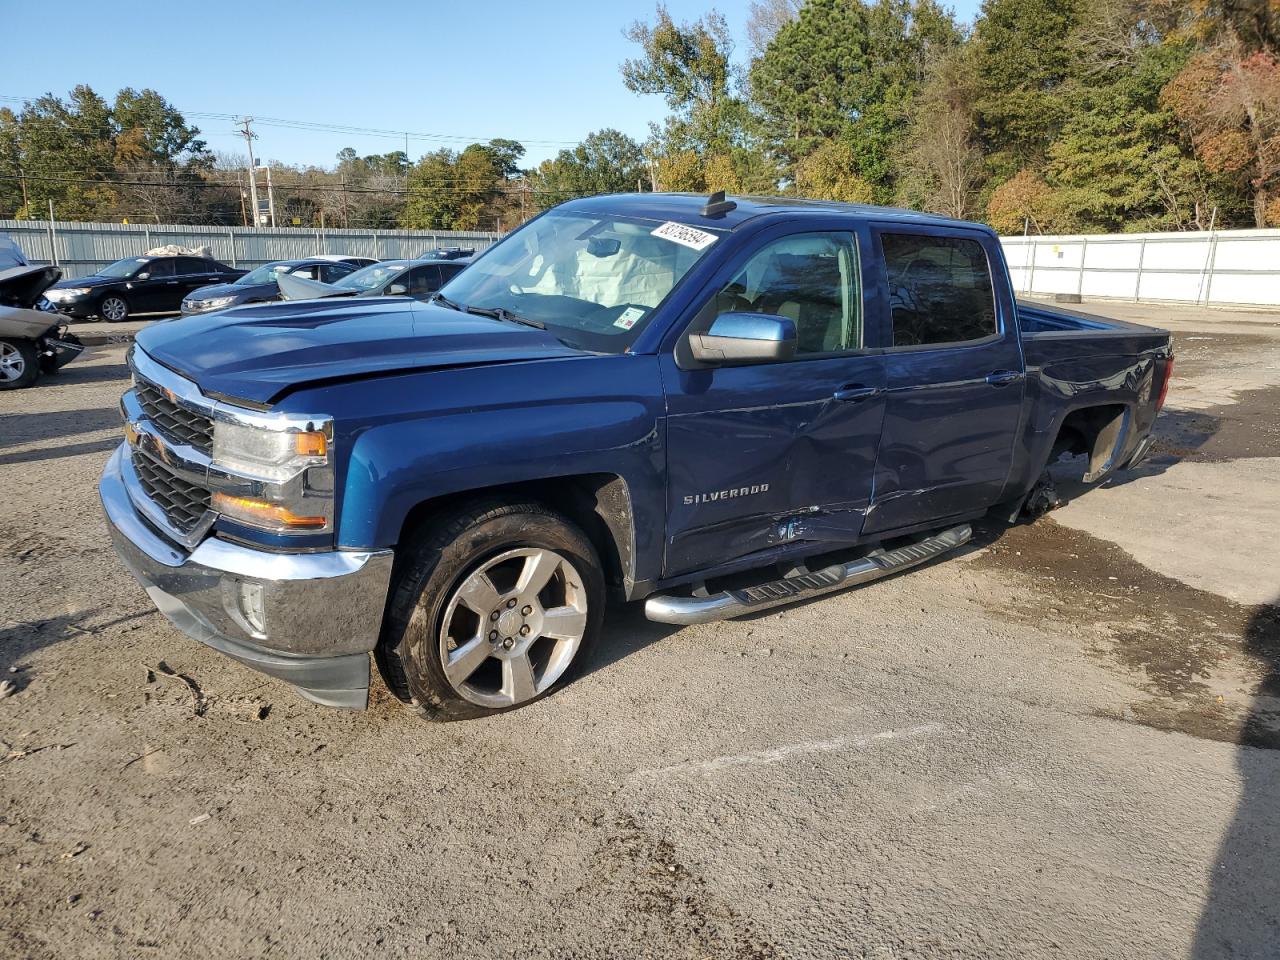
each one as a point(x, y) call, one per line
point(1227, 267)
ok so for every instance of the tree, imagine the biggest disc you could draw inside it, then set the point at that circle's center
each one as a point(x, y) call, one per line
point(831, 173)
point(1023, 202)
point(1229, 104)
point(848, 71)
point(690, 66)
point(942, 165)
point(1021, 61)
point(765, 19)
point(605, 162)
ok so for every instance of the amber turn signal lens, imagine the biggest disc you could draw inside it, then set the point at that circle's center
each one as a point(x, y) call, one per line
point(311, 444)
point(261, 511)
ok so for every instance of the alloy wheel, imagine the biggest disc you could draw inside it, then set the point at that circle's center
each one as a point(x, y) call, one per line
point(513, 626)
point(12, 363)
point(114, 309)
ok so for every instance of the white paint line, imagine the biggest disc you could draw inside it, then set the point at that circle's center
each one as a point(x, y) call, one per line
point(778, 754)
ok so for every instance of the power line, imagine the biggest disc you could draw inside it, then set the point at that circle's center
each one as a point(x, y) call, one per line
point(302, 188)
point(318, 127)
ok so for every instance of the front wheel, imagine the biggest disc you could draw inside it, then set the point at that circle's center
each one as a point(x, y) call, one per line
point(113, 309)
point(19, 364)
point(495, 607)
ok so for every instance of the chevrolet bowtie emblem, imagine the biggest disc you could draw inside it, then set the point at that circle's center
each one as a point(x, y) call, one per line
point(131, 434)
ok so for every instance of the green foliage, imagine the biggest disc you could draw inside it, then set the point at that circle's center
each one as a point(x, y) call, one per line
point(1021, 61)
point(605, 162)
point(848, 71)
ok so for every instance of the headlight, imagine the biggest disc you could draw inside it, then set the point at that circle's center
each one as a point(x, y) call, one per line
point(268, 454)
point(287, 467)
point(65, 293)
point(216, 303)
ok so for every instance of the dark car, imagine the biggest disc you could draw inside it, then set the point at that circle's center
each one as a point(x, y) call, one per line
point(138, 285)
point(448, 253)
point(259, 286)
point(400, 278)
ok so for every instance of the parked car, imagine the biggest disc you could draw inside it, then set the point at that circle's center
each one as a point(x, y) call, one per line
point(32, 341)
point(260, 285)
point(344, 258)
point(448, 253)
point(715, 408)
point(390, 278)
point(147, 284)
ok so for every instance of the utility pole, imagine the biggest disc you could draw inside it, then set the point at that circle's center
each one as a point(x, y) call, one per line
point(249, 137)
point(271, 197)
point(22, 178)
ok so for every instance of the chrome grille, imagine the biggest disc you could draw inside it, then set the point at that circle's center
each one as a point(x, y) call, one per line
point(184, 504)
point(174, 420)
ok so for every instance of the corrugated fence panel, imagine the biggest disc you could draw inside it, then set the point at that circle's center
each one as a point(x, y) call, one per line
point(83, 248)
point(1224, 268)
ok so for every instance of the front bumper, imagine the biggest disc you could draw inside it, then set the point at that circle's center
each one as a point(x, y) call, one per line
point(80, 308)
point(310, 619)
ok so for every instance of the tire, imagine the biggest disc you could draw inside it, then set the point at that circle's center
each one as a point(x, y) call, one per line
point(113, 308)
point(439, 606)
point(19, 363)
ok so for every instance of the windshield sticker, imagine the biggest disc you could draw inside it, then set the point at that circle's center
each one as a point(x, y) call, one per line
point(685, 236)
point(630, 317)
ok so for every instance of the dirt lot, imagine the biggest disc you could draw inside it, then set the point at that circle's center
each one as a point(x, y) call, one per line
point(1064, 742)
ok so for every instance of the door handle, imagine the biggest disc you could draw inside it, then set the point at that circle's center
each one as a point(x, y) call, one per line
point(1002, 378)
point(852, 393)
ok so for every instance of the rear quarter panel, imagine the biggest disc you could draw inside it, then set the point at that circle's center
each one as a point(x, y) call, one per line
point(1075, 361)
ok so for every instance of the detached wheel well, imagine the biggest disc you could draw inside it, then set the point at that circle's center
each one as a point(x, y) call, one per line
point(598, 503)
point(1094, 432)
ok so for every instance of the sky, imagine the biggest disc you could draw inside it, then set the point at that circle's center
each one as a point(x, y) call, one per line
point(449, 74)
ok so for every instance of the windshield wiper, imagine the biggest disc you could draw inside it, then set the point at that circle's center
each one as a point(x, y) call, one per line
point(501, 313)
point(442, 299)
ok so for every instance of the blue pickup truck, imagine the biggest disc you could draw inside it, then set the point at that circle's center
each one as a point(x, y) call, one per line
point(711, 405)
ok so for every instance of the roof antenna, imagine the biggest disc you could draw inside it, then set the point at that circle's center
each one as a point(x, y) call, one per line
point(717, 205)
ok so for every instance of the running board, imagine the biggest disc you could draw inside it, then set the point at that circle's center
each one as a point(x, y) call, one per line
point(664, 608)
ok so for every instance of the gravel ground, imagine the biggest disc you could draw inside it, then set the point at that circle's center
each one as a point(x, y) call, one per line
point(1062, 742)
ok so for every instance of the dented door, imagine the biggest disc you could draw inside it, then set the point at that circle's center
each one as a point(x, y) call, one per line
point(769, 454)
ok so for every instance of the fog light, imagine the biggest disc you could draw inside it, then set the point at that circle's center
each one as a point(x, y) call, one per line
point(252, 601)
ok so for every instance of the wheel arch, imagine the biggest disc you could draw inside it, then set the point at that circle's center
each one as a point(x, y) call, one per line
point(599, 504)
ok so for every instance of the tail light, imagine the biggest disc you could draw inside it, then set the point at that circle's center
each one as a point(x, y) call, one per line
point(1164, 387)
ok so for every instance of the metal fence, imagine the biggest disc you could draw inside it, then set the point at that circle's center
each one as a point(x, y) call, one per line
point(1222, 268)
point(83, 248)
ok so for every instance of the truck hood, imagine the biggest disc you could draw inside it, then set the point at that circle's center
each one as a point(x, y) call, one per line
point(261, 352)
point(23, 286)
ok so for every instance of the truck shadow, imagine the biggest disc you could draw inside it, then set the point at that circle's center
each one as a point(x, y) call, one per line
point(1240, 918)
point(626, 631)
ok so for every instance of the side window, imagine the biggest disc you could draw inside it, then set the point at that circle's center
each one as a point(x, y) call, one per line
point(187, 266)
point(424, 280)
point(162, 267)
point(939, 289)
point(307, 273)
point(811, 278)
point(332, 272)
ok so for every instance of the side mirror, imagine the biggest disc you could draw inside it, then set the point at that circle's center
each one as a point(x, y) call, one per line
point(144, 275)
point(397, 290)
point(736, 338)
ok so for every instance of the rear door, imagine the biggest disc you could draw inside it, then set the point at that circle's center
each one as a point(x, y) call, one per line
point(765, 455)
point(192, 273)
point(955, 376)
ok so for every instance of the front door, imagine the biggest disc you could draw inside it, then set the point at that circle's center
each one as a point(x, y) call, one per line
point(770, 454)
point(955, 378)
point(157, 291)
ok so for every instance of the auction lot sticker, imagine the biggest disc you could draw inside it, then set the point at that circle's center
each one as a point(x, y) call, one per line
point(685, 236)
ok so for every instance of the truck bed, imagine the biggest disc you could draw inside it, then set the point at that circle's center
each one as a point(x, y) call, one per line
point(1051, 333)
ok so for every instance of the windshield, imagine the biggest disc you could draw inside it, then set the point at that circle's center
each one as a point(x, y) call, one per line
point(266, 273)
point(593, 281)
point(124, 268)
point(371, 277)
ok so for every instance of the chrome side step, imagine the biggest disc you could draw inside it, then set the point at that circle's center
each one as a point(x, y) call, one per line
point(664, 608)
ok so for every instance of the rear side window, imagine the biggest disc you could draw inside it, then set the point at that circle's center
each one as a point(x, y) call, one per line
point(191, 265)
point(939, 289)
point(333, 272)
point(159, 268)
